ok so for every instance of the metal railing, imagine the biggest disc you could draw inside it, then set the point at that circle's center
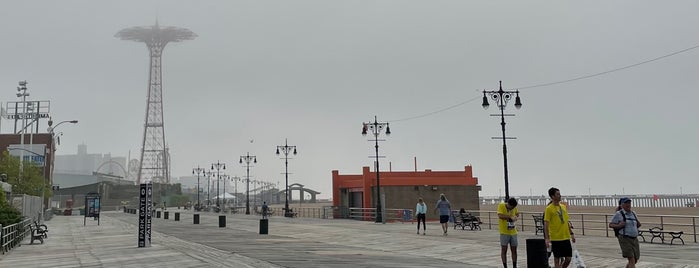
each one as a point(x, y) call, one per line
point(12, 235)
point(598, 223)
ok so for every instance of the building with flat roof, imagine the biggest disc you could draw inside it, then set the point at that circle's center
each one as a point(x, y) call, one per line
point(401, 189)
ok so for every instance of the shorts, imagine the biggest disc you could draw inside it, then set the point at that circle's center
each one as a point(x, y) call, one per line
point(443, 218)
point(629, 247)
point(561, 249)
point(508, 239)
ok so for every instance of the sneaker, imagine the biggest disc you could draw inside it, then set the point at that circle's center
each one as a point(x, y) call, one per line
point(423, 233)
point(418, 232)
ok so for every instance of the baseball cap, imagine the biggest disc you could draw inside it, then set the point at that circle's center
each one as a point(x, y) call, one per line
point(624, 200)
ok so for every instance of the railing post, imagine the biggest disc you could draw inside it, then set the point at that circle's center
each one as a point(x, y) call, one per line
point(694, 225)
point(582, 223)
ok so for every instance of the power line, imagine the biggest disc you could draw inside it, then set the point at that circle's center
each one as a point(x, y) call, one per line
point(555, 83)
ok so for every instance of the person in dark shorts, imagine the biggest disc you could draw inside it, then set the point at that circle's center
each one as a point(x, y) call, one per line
point(444, 208)
point(557, 231)
point(627, 224)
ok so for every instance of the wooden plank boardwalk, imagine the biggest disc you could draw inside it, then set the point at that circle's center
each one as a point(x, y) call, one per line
point(297, 242)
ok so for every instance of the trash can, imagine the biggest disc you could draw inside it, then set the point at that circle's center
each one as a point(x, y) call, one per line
point(177, 216)
point(536, 253)
point(222, 221)
point(196, 218)
point(157, 214)
point(264, 225)
point(166, 215)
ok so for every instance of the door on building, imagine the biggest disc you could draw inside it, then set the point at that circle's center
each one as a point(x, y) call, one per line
point(356, 199)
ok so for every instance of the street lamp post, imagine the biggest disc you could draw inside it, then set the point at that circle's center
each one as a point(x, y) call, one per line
point(501, 97)
point(376, 129)
point(198, 170)
point(286, 149)
point(247, 159)
point(51, 131)
point(225, 179)
point(207, 175)
point(218, 166)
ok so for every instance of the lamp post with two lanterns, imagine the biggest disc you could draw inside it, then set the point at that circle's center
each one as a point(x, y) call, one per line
point(286, 149)
point(376, 128)
point(501, 98)
point(247, 159)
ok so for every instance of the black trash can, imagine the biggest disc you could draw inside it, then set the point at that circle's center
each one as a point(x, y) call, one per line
point(166, 215)
point(157, 214)
point(196, 218)
point(536, 253)
point(264, 225)
point(222, 221)
point(177, 216)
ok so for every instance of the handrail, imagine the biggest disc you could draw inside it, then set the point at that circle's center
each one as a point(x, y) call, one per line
point(12, 235)
point(598, 223)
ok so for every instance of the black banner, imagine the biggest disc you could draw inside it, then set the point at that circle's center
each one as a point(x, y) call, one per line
point(143, 227)
point(149, 209)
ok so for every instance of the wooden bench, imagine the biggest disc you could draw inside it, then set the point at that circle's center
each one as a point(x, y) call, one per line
point(34, 234)
point(657, 232)
point(538, 224)
point(41, 229)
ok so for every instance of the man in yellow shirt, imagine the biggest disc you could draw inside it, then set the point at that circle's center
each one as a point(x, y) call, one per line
point(557, 231)
point(508, 215)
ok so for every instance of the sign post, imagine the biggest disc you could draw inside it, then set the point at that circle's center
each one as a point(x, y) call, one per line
point(144, 215)
point(92, 207)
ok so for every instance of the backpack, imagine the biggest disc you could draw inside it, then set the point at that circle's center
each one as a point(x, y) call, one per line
point(617, 231)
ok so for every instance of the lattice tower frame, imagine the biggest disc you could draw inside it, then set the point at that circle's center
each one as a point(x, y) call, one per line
point(155, 158)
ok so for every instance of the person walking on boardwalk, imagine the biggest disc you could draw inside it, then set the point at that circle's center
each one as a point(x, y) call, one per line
point(557, 231)
point(444, 208)
point(420, 213)
point(625, 225)
point(507, 216)
point(265, 210)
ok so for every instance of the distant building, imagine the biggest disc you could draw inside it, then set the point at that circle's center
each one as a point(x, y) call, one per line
point(402, 189)
point(84, 163)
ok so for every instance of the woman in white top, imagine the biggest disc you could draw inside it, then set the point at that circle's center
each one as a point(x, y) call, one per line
point(420, 211)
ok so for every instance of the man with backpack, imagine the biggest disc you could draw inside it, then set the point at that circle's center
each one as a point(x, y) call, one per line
point(625, 225)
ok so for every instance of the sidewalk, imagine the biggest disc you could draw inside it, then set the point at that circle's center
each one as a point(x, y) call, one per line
point(297, 242)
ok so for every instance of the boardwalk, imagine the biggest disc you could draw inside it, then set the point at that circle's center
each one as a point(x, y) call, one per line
point(296, 242)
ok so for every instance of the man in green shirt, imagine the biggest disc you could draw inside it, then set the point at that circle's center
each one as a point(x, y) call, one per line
point(507, 216)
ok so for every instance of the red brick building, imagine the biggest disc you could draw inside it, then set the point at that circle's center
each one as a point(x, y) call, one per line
point(401, 189)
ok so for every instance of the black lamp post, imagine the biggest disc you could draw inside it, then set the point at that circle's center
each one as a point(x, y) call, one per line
point(207, 175)
point(376, 129)
point(218, 166)
point(286, 149)
point(247, 158)
point(198, 171)
point(501, 97)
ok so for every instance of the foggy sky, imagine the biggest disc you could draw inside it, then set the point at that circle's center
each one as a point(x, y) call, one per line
point(313, 71)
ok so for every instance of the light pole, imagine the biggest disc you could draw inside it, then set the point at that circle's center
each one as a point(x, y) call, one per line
point(225, 179)
point(207, 175)
point(286, 149)
point(198, 170)
point(218, 166)
point(376, 129)
point(51, 131)
point(247, 158)
point(236, 179)
point(501, 97)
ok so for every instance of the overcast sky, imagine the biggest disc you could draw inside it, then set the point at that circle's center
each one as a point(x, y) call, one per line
point(313, 71)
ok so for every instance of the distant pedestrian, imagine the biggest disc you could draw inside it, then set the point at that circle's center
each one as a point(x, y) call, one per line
point(625, 225)
point(265, 210)
point(557, 231)
point(420, 214)
point(444, 208)
point(507, 216)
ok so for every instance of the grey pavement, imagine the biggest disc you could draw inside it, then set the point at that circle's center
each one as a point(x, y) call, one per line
point(297, 242)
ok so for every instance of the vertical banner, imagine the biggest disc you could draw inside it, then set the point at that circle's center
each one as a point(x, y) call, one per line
point(149, 211)
point(142, 236)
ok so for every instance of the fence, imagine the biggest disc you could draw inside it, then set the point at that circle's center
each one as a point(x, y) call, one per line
point(598, 223)
point(29, 206)
point(12, 235)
